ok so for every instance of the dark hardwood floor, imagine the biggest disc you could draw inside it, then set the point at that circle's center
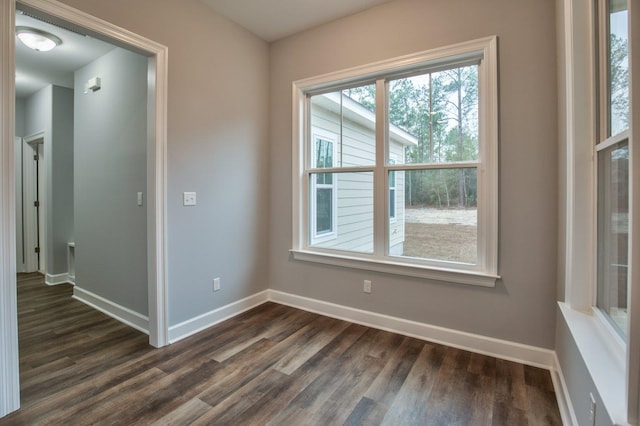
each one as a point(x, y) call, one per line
point(271, 365)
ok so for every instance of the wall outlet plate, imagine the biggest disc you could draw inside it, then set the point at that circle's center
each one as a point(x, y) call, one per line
point(367, 286)
point(189, 198)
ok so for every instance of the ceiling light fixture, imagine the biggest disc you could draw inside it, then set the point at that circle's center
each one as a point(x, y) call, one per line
point(38, 40)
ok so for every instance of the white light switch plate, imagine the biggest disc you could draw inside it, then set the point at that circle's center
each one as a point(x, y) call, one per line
point(189, 198)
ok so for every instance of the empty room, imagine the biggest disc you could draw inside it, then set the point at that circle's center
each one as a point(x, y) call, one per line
point(401, 212)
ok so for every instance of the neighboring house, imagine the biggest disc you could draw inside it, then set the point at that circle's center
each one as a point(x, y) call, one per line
point(341, 210)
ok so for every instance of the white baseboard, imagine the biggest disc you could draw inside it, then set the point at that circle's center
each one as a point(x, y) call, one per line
point(57, 279)
point(120, 313)
point(562, 395)
point(503, 349)
point(192, 326)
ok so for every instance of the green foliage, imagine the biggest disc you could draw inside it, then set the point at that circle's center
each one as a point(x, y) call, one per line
point(619, 80)
point(441, 110)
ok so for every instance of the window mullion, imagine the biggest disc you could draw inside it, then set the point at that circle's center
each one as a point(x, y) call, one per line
point(379, 176)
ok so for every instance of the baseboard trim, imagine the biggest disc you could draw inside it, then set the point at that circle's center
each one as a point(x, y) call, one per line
point(57, 279)
point(567, 412)
point(118, 312)
point(503, 349)
point(194, 325)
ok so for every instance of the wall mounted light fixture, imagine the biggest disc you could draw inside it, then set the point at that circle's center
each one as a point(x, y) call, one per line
point(36, 39)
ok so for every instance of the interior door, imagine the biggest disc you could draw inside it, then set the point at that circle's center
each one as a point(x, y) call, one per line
point(33, 219)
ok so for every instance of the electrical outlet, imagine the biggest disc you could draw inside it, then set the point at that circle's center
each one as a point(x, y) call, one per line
point(188, 198)
point(216, 284)
point(367, 286)
point(592, 409)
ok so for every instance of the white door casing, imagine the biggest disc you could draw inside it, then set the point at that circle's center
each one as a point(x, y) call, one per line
point(20, 266)
point(156, 181)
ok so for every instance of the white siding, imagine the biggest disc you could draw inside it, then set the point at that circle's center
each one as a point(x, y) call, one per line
point(356, 147)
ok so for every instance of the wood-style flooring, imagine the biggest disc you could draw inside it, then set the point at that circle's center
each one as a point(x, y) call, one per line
point(271, 365)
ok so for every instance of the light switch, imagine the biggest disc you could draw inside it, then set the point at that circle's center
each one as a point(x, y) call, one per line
point(189, 198)
point(140, 198)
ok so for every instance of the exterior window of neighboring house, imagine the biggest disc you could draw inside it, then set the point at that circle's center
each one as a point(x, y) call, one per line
point(323, 190)
point(392, 191)
point(612, 154)
point(392, 195)
point(398, 187)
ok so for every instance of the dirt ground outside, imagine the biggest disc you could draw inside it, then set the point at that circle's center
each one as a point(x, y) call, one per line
point(442, 234)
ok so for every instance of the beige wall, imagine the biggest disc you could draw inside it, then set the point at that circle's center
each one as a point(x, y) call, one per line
point(522, 306)
point(217, 146)
point(226, 88)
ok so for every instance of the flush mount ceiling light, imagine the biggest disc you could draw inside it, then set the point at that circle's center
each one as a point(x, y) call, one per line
point(38, 40)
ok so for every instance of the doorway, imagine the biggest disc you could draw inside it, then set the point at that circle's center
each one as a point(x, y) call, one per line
point(32, 233)
point(155, 179)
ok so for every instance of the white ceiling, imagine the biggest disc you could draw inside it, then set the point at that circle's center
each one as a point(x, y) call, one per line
point(35, 70)
point(268, 19)
point(275, 19)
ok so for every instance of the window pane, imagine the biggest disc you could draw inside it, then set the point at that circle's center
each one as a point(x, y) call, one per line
point(392, 195)
point(434, 117)
point(324, 209)
point(348, 207)
point(349, 115)
point(323, 153)
point(613, 233)
point(438, 217)
point(392, 202)
point(618, 63)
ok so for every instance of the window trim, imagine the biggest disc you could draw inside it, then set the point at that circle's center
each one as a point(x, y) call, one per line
point(482, 52)
point(614, 366)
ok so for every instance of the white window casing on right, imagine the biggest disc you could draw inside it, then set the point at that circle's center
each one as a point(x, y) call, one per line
point(602, 202)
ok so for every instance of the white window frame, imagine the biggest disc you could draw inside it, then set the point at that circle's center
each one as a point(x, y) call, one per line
point(482, 52)
point(613, 364)
point(315, 237)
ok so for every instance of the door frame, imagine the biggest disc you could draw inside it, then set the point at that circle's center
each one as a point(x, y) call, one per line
point(156, 180)
point(20, 253)
point(32, 229)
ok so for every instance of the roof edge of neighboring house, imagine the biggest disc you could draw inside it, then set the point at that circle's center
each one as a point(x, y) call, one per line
point(358, 113)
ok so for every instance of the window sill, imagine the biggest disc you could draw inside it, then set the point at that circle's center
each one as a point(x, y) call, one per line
point(398, 268)
point(604, 355)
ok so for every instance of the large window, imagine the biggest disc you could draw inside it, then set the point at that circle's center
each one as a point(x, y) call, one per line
point(600, 308)
point(612, 154)
point(409, 184)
